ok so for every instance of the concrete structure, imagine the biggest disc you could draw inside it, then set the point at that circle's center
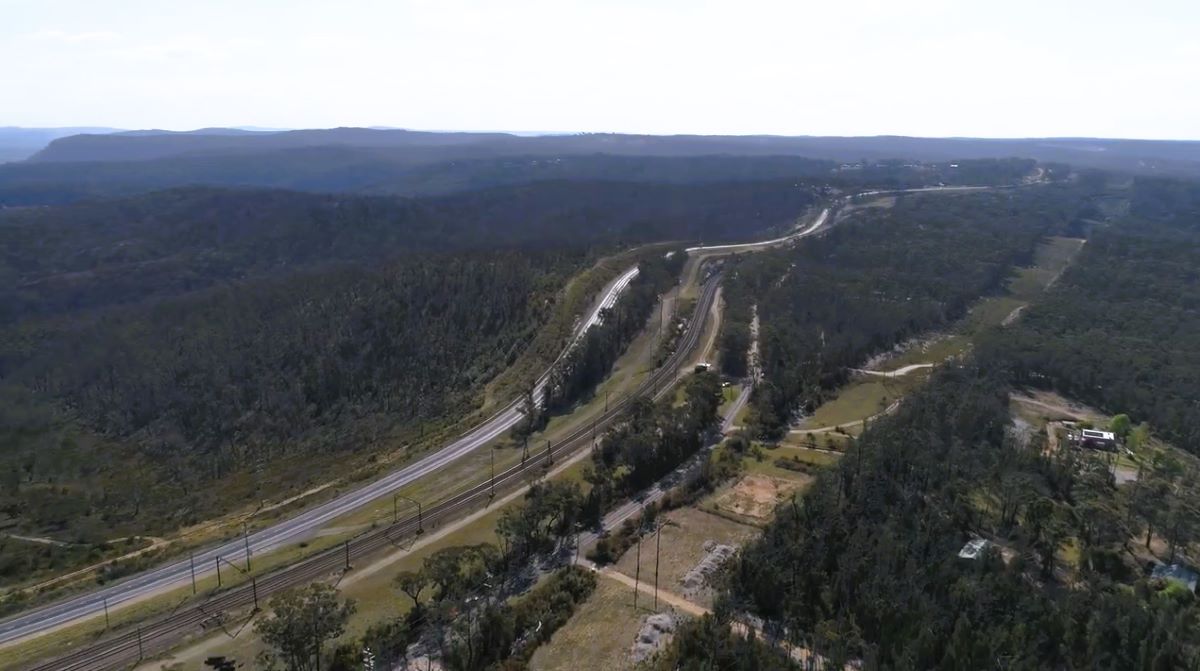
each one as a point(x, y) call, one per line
point(974, 549)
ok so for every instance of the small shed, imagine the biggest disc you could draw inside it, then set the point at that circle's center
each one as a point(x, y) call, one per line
point(1094, 439)
point(973, 549)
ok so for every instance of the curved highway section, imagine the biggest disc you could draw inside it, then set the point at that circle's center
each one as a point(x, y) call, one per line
point(178, 574)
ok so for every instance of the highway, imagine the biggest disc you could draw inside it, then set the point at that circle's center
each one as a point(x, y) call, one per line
point(120, 649)
point(745, 246)
point(295, 529)
point(303, 525)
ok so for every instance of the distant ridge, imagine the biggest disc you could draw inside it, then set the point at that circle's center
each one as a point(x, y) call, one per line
point(429, 146)
point(17, 143)
point(198, 131)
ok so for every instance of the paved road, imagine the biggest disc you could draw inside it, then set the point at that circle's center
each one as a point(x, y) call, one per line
point(820, 221)
point(899, 372)
point(303, 525)
point(297, 528)
point(122, 647)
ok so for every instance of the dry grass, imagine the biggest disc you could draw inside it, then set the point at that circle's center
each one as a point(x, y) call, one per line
point(682, 546)
point(598, 636)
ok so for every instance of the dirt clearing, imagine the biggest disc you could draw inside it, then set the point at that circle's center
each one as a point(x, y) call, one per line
point(756, 496)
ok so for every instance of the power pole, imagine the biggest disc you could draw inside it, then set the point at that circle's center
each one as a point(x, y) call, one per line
point(106, 623)
point(347, 555)
point(254, 588)
point(549, 454)
point(393, 509)
point(246, 537)
point(420, 522)
point(525, 451)
point(657, 549)
point(192, 565)
point(492, 493)
point(141, 652)
point(637, 572)
point(606, 400)
point(218, 561)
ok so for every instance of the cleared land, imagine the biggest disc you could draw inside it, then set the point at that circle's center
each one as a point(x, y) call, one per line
point(684, 535)
point(598, 636)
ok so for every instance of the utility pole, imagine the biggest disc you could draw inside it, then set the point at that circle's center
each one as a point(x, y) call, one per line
point(192, 565)
point(420, 522)
point(347, 546)
point(525, 451)
point(393, 509)
point(492, 493)
point(106, 623)
point(254, 588)
point(218, 561)
point(605, 400)
point(637, 572)
point(141, 652)
point(657, 550)
point(246, 537)
point(549, 454)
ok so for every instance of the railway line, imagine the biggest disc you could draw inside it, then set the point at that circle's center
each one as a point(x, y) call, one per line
point(137, 643)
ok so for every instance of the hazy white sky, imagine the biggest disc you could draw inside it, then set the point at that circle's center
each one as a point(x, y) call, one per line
point(1000, 68)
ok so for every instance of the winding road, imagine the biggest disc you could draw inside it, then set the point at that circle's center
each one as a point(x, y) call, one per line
point(178, 574)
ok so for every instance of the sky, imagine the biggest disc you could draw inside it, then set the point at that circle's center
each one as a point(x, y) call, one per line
point(994, 68)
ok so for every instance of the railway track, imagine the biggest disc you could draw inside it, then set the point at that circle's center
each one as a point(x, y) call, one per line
point(132, 645)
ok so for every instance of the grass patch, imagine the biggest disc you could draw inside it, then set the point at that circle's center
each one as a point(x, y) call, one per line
point(804, 455)
point(858, 400)
point(682, 546)
point(989, 312)
point(603, 629)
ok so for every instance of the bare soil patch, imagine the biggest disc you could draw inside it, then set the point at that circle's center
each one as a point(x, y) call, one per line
point(756, 496)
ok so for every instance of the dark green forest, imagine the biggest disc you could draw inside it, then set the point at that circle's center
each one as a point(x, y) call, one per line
point(357, 170)
point(885, 276)
point(1121, 330)
point(130, 417)
point(154, 346)
point(428, 167)
point(109, 252)
point(864, 565)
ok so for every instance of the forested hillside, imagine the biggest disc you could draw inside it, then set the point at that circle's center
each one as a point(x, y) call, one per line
point(884, 276)
point(1120, 329)
point(344, 169)
point(135, 415)
point(426, 171)
point(589, 363)
point(169, 356)
point(124, 250)
point(864, 565)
